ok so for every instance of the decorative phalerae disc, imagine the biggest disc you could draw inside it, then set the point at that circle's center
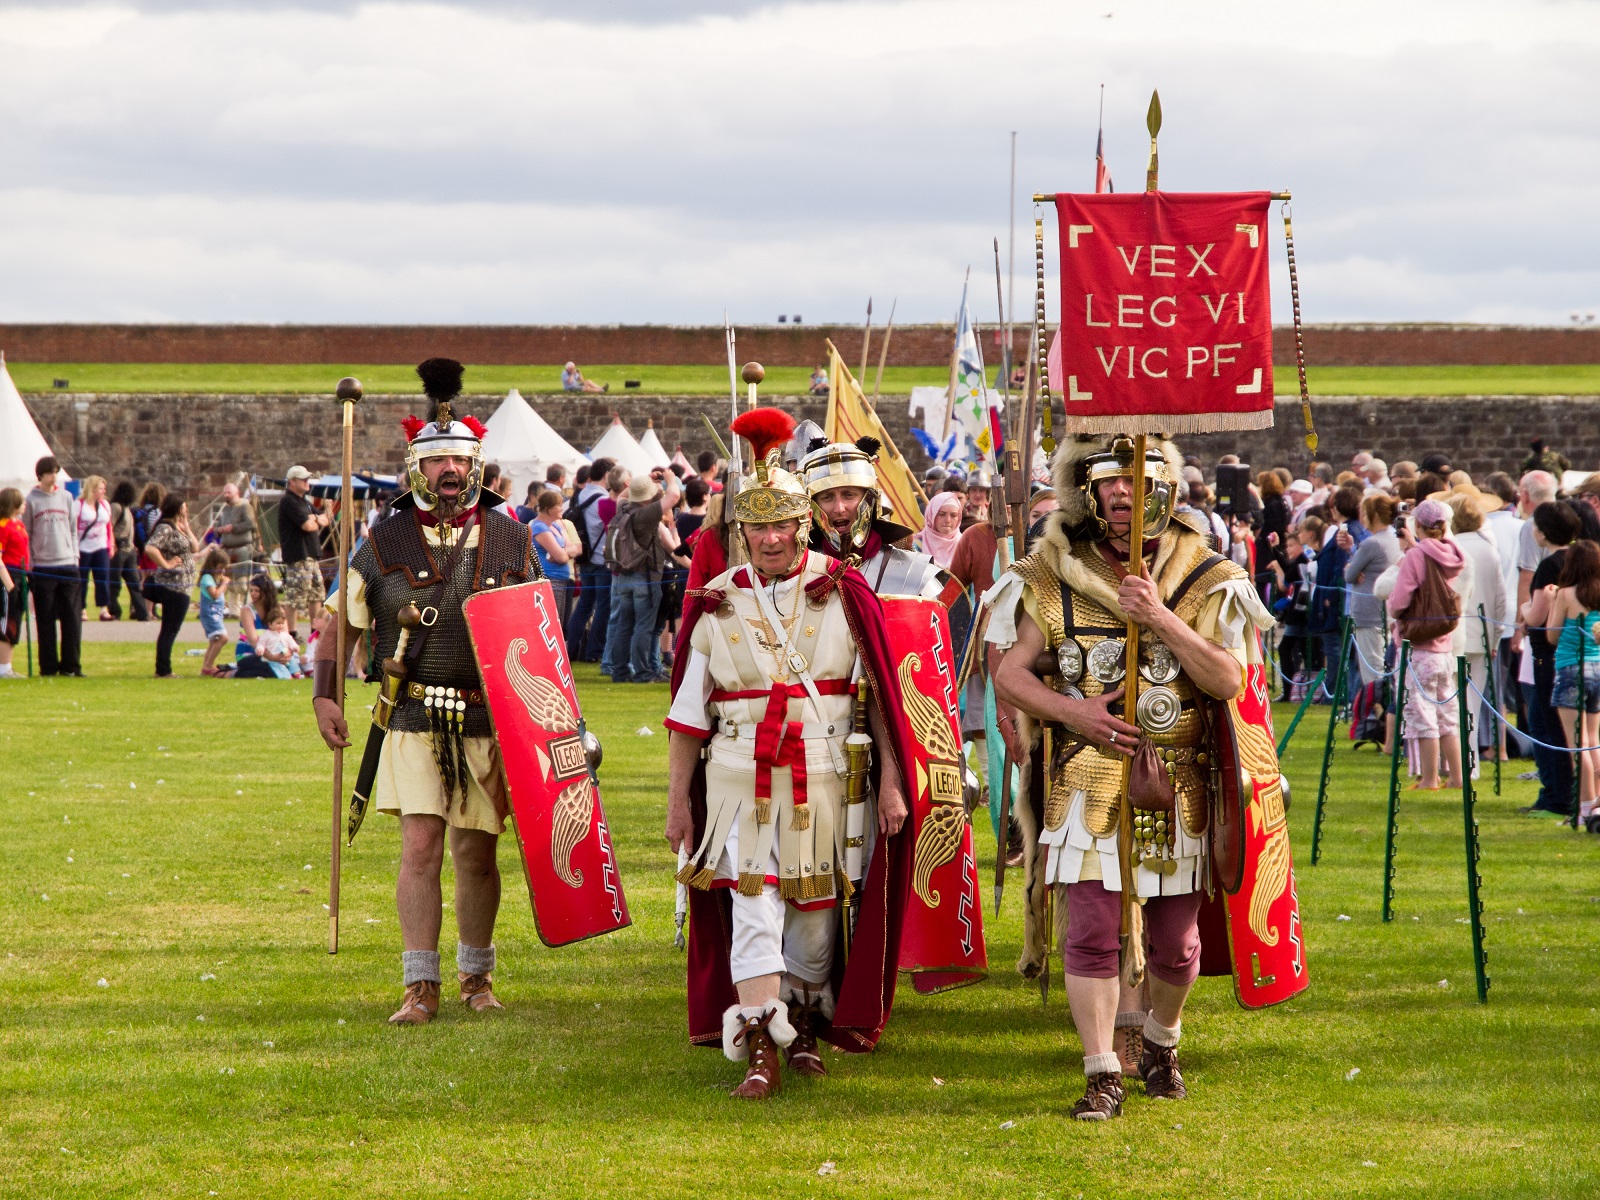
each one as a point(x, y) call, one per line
point(1107, 660)
point(1158, 710)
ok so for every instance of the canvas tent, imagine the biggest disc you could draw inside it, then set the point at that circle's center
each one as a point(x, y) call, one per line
point(525, 446)
point(620, 445)
point(21, 443)
point(652, 446)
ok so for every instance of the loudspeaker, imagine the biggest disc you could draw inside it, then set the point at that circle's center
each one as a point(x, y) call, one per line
point(1233, 489)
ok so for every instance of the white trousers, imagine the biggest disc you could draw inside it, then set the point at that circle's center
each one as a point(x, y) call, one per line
point(771, 937)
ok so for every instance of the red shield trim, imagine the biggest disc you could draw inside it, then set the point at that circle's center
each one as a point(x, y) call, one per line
point(567, 856)
point(941, 942)
point(1264, 940)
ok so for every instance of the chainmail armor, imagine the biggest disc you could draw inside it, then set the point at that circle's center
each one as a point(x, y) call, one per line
point(398, 567)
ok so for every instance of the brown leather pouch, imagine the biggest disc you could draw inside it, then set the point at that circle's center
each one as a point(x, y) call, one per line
point(1149, 786)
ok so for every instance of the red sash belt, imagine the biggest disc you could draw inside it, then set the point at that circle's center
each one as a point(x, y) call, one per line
point(778, 741)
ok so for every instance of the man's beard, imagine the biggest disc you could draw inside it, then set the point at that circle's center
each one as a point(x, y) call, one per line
point(448, 506)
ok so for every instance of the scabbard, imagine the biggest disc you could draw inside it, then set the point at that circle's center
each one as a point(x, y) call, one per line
point(1005, 830)
point(365, 778)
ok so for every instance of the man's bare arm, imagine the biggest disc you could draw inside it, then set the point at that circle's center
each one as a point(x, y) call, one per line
point(1018, 686)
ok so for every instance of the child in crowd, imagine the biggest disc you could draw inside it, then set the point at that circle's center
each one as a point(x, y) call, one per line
point(213, 587)
point(276, 646)
point(13, 573)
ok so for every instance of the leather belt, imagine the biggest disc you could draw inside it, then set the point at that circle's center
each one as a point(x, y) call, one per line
point(809, 730)
point(421, 691)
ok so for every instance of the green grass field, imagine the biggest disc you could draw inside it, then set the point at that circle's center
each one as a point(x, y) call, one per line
point(713, 380)
point(171, 1025)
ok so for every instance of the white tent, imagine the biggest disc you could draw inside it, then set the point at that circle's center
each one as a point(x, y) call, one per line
point(524, 445)
point(652, 446)
point(620, 445)
point(21, 443)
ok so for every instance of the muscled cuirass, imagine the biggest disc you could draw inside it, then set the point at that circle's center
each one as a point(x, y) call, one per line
point(398, 567)
point(1088, 644)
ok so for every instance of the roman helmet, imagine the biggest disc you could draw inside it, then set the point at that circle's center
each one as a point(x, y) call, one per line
point(767, 493)
point(1086, 460)
point(443, 434)
point(832, 465)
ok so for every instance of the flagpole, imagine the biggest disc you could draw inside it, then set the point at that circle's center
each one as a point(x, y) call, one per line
point(955, 355)
point(866, 340)
point(1011, 255)
point(883, 355)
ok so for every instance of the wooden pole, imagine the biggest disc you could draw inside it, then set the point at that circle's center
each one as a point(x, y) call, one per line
point(866, 342)
point(883, 355)
point(1130, 694)
point(349, 391)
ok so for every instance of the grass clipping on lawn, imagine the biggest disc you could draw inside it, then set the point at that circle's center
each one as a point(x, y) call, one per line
point(174, 1026)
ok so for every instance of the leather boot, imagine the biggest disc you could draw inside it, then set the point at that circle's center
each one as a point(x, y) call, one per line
point(1162, 1079)
point(477, 992)
point(1128, 1043)
point(419, 1005)
point(802, 1053)
point(761, 1078)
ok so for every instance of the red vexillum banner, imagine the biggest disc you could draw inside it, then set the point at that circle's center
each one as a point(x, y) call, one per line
point(1166, 321)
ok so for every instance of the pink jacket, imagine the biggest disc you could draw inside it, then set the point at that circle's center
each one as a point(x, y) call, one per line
point(1447, 556)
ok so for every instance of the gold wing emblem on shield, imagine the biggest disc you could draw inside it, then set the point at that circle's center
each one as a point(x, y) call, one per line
point(929, 722)
point(569, 822)
point(937, 843)
point(1272, 868)
point(573, 810)
point(545, 702)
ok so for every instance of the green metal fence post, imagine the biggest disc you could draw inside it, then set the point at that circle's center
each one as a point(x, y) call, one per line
point(1393, 827)
point(1346, 633)
point(1305, 703)
point(1469, 820)
point(1489, 657)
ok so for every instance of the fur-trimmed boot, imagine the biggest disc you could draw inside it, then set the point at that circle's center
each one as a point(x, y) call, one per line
point(755, 1034)
point(807, 1011)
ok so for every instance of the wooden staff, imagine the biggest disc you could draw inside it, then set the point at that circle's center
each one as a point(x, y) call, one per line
point(866, 341)
point(883, 355)
point(1130, 693)
point(348, 393)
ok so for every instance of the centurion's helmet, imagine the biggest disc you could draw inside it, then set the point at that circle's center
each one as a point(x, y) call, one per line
point(850, 464)
point(767, 493)
point(1084, 462)
point(443, 434)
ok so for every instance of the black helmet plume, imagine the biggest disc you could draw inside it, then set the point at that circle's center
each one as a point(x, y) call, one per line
point(868, 446)
point(816, 444)
point(441, 378)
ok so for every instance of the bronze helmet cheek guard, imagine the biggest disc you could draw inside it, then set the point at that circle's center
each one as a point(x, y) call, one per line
point(1116, 462)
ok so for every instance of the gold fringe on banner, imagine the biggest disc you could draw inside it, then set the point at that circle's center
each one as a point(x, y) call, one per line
point(1165, 425)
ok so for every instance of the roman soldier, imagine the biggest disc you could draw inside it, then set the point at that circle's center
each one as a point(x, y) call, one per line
point(788, 747)
point(439, 767)
point(853, 519)
point(1095, 826)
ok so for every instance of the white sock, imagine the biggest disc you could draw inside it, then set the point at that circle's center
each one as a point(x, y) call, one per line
point(1160, 1034)
point(1099, 1064)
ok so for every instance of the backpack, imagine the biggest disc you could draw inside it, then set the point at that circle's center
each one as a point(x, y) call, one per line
point(1366, 716)
point(623, 552)
point(575, 514)
point(1435, 609)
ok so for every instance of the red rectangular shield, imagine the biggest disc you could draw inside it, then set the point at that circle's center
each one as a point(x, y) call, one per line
point(561, 828)
point(1252, 863)
point(941, 941)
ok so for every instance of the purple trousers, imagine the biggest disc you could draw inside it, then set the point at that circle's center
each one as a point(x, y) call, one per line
point(1171, 932)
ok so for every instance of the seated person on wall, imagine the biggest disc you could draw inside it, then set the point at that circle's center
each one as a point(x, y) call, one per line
point(819, 382)
point(572, 380)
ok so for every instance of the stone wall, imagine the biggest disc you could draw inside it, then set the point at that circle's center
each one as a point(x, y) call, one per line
point(195, 441)
point(775, 345)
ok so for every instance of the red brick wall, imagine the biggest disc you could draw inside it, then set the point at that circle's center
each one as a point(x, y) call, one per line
point(911, 345)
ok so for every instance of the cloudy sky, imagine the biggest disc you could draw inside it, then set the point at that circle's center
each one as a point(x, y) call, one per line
point(660, 161)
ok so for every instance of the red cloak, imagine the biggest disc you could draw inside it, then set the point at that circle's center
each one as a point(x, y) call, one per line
point(863, 990)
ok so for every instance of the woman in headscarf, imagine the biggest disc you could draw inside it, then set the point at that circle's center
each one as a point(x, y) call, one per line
point(943, 527)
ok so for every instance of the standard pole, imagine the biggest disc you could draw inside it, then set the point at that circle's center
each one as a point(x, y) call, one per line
point(1480, 960)
point(866, 344)
point(349, 391)
point(1011, 254)
point(1130, 694)
point(883, 355)
point(1305, 704)
point(1346, 632)
point(1392, 828)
